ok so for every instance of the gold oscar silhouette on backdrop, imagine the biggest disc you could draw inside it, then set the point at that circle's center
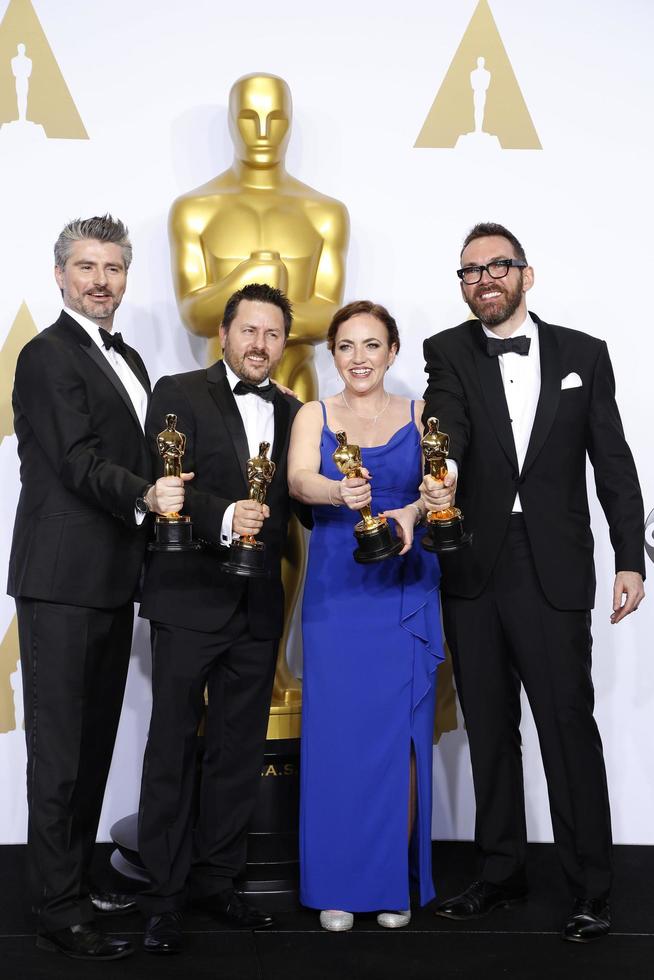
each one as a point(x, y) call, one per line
point(35, 101)
point(10, 708)
point(256, 223)
point(22, 329)
point(482, 106)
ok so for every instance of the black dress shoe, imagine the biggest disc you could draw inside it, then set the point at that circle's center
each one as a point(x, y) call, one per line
point(163, 933)
point(590, 919)
point(84, 942)
point(231, 907)
point(112, 903)
point(478, 900)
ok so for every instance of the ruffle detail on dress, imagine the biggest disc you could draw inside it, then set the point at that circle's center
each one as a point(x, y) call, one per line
point(420, 616)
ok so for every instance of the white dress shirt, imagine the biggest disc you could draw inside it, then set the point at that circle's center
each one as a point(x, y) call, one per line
point(137, 393)
point(259, 422)
point(521, 380)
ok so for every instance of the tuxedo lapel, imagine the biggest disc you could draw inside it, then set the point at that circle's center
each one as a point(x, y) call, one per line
point(77, 334)
point(135, 367)
point(222, 395)
point(550, 391)
point(101, 361)
point(490, 379)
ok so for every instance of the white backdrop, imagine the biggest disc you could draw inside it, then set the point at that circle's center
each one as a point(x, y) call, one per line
point(150, 80)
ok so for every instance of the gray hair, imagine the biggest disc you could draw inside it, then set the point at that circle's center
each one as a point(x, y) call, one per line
point(101, 229)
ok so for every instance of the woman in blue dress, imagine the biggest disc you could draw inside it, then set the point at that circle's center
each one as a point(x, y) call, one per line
point(372, 642)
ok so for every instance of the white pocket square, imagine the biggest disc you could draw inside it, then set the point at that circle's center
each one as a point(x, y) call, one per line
point(571, 381)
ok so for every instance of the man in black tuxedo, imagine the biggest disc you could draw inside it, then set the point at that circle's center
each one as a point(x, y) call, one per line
point(523, 402)
point(80, 398)
point(213, 629)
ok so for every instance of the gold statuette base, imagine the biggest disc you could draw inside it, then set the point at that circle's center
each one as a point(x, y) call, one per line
point(376, 541)
point(173, 534)
point(445, 531)
point(246, 557)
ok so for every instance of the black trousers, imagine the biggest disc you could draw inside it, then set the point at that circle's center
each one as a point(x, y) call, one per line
point(74, 663)
point(507, 635)
point(199, 844)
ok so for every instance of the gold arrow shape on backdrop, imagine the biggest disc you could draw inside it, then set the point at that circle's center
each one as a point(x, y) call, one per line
point(49, 102)
point(22, 330)
point(8, 662)
point(452, 114)
point(445, 719)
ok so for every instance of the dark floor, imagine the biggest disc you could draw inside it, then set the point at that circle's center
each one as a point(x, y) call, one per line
point(521, 943)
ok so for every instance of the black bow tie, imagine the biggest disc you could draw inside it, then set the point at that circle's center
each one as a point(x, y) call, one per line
point(512, 345)
point(114, 340)
point(267, 392)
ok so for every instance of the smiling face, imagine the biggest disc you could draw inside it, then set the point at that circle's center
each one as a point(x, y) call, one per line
point(362, 354)
point(254, 343)
point(496, 301)
point(260, 119)
point(93, 280)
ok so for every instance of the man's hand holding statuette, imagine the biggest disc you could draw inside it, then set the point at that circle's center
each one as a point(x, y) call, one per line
point(249, 516)
point(166, 496)
point(438, 494)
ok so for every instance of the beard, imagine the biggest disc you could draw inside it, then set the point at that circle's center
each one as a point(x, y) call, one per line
point(95, 310)
point(244, 369)
point(501, 309)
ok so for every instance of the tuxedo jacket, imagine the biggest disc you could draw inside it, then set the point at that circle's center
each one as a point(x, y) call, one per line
point(188, 589)
point(83, 463)
point(465, 392)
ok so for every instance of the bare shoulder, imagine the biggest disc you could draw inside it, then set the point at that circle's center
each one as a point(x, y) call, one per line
point(401, 407)
point(308, 416)
point(311, 410)
point(403, 404)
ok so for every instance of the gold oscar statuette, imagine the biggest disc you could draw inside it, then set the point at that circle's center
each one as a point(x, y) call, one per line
point(255, 222)
point(173, 532)
point(445, 531)
point(246, 554)
point(375, 539)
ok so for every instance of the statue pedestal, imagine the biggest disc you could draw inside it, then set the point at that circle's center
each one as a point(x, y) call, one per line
point(273, 847)
point(478, 141)
point(273, 852)
point(22, 131)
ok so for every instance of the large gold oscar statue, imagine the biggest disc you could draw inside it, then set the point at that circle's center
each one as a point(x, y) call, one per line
point(256, 223)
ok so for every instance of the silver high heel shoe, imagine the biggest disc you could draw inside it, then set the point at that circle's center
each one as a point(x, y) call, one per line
point(394, 920)
point(336, 921)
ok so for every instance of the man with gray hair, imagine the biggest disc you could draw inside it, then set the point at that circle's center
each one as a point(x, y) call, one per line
point(80, 398)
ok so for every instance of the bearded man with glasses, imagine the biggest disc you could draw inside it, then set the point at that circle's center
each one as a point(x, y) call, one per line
point(524, 402)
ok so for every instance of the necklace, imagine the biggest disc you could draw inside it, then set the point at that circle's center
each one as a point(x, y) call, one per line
point(368, 418)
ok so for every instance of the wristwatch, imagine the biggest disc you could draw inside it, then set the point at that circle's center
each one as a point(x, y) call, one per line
point(141, 503)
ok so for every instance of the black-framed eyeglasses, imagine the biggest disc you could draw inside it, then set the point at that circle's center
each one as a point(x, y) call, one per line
point(496, 270)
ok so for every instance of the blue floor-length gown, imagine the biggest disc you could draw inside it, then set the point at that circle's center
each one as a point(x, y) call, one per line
point(372, 642)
